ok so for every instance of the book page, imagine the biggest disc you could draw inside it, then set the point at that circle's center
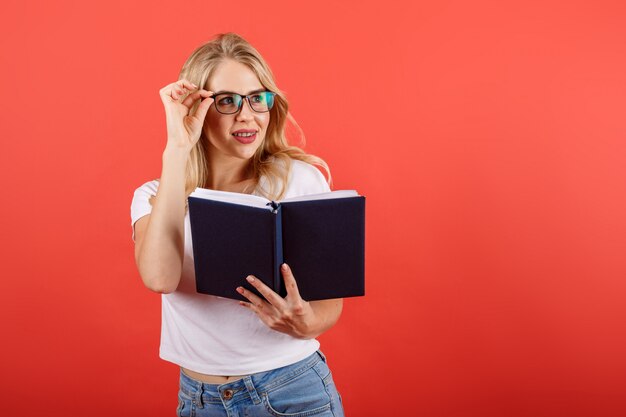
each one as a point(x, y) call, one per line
point(323, 196)
point(228, 197)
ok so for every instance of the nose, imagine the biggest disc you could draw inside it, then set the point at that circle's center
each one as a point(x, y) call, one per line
point(245, 112)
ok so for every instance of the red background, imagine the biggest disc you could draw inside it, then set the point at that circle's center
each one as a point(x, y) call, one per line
point(488, 137)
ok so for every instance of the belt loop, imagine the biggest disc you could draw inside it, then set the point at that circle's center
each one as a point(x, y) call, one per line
point(251, 390)
point(322, 355)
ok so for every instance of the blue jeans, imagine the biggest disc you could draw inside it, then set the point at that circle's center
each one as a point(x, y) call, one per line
point(305, 388)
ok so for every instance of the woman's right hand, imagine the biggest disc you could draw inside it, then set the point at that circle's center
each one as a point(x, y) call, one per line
point(183, 128)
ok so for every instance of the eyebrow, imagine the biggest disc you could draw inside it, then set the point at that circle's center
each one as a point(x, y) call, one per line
point(232, 92)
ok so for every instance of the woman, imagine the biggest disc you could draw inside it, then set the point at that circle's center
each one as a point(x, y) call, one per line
point(226, 131)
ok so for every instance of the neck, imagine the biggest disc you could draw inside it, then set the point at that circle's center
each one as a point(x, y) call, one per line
point(228, 174)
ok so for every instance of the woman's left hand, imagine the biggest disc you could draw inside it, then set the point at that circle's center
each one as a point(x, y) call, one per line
point(291, 315)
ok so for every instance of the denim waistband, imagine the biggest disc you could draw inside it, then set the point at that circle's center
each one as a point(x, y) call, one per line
point(249, 386)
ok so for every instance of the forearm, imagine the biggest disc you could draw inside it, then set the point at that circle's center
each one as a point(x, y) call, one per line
point(326, 315)
point(161, 254)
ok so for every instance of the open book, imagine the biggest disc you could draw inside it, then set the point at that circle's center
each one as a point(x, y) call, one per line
point(320, 236)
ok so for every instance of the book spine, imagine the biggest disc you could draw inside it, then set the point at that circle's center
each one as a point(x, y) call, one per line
point(279, 283)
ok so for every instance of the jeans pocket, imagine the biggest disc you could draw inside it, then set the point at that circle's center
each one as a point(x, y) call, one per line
point(304, 395)
point(290, 410)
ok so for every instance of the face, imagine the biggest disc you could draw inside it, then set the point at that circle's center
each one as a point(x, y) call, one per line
point(237, 78)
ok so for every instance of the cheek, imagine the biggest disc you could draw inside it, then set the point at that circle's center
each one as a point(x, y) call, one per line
point(265, 121)
point(215, 126)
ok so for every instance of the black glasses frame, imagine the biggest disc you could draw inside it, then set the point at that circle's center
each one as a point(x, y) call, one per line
point(247, 98)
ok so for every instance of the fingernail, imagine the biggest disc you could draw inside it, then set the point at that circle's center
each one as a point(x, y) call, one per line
point(284, 267)
point(240, 290)
point(250, 278)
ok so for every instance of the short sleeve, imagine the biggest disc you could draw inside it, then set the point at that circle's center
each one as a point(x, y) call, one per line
point(140, 205)
point(306, 179)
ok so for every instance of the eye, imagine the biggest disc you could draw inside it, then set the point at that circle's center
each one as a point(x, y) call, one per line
point(226, 100)
point(257, 98)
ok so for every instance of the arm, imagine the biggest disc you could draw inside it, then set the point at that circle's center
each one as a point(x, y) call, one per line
point(292, 315)
point(327, 313)
point(160, 236)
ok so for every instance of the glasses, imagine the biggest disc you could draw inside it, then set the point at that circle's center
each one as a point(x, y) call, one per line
point(230, 103)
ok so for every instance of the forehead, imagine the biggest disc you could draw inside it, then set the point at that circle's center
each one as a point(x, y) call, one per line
point(234, 77)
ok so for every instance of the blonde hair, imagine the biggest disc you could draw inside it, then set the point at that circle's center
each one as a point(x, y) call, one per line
point(275, 149)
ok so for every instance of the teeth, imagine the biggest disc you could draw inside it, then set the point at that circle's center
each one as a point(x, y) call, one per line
point(243, 134)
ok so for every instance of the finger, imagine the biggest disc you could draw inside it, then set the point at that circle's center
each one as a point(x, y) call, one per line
point(177, 89)
point(191, 98)
point(176, 92)
point(180, 84)
point(290, 281)
point(186, 84)
point(257, 301)
point(249, 306)
point(203, 108)
point(273, 298)
point(180, 91)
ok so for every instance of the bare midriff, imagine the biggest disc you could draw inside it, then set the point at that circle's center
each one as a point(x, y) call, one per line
point(211, 379)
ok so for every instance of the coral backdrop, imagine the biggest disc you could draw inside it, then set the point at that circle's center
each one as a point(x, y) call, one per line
point(487, 136)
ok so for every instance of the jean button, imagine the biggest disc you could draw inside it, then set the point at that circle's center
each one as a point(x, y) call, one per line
point(227, 394)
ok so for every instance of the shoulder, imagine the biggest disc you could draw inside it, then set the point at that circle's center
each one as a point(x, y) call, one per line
point(142, 197)
point(149, 186)
point(305, 179)
point(141, 203)
point(148, 189)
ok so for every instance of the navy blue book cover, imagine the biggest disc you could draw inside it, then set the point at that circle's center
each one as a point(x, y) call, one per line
point(324, 244)
point(322, 240)
point(230, 242)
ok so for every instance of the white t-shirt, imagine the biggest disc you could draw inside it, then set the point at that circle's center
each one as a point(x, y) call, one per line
point(215, 335)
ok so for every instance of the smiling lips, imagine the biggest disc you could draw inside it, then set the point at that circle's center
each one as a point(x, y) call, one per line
point(245, 136)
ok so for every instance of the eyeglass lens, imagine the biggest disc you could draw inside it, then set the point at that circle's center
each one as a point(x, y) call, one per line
point(230, 103)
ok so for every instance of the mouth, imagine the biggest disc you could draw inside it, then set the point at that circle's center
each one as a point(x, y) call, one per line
point(245, 138)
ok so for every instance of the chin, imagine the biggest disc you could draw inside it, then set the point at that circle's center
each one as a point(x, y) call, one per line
point(244, 153)
point(246, 157)
point(247, 151)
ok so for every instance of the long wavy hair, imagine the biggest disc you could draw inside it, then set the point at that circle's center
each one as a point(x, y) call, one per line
point(272, 159)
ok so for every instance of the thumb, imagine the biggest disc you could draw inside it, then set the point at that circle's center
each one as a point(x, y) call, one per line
point(203, 108)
